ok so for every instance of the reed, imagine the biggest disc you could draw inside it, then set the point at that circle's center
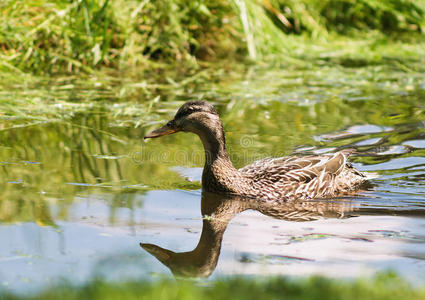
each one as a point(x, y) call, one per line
point(46, 37)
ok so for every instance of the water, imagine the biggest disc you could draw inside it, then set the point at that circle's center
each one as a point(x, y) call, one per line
point(81, 189)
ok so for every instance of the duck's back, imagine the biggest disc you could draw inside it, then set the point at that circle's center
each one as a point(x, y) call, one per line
point(303, 177)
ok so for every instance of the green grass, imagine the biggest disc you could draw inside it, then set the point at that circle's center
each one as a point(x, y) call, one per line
point(46, 37)
point(386, 286)
point(56, 36)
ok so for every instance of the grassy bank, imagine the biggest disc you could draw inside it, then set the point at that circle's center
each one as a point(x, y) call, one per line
point(381, 287)
point(83, 35)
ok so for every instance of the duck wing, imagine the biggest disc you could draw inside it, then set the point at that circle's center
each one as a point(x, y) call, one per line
point(297, 167)
point(307, 176)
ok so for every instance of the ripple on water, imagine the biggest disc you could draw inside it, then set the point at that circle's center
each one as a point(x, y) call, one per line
point(400, 163)
point(418, 144)
point(368, 142)
point(389, 150)
point(357, 130)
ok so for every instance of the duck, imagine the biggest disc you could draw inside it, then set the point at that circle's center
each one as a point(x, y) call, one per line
point(274, 179)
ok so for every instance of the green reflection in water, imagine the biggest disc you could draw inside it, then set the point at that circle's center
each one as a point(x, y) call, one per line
point(65, 138)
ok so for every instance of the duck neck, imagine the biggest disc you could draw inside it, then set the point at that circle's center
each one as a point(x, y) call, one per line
point(219, 173)
point(215, 151)
point(214, 142)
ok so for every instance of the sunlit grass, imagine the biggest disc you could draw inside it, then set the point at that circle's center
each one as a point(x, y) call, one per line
point(385, 286)
point(45, 37)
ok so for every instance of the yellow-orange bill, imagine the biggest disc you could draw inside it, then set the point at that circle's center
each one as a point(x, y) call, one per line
point(164, 130)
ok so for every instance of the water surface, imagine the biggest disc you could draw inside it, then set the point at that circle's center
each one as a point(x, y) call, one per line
point(81, 189)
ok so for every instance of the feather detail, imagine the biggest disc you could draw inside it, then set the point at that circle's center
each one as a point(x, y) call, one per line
point(302, 177)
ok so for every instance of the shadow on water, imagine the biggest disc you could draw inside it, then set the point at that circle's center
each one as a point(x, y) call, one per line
point(218, 210)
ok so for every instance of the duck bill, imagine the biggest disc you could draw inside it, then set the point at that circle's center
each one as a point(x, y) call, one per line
point(164, 130)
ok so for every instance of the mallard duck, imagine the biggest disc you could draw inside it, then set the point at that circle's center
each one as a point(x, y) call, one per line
point(278, 179)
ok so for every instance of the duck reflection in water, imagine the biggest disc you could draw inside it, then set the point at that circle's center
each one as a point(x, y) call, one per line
point(218, 210)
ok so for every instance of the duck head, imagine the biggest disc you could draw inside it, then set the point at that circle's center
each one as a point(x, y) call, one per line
point(198, 117)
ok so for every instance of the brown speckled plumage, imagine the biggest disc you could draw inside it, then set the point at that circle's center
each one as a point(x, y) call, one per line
point(277, 179)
